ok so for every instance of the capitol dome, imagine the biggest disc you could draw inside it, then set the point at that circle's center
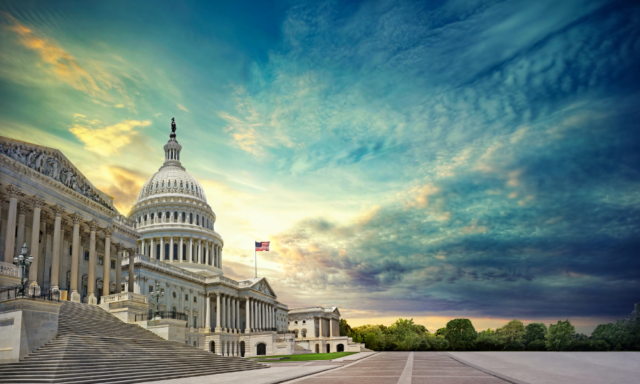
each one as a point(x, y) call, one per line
point(174, 219)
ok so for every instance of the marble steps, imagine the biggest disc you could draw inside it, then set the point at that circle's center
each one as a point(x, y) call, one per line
point(119, 353)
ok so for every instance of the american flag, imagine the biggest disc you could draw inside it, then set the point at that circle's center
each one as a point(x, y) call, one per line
point(262, 246)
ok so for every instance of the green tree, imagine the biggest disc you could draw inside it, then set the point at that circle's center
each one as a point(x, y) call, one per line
point(461, 334)
point(441, 332)
point(345, 328)
point(489, 341)
point(560, 335)
point(533, 332)
point(513, 332)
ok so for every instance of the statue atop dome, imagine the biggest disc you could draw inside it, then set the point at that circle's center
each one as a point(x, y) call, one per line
point(173, 128)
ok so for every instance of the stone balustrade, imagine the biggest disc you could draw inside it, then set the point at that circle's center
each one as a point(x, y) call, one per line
point(9, 269)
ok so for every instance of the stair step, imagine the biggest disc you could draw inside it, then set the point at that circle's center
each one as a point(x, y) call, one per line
point(93, 346)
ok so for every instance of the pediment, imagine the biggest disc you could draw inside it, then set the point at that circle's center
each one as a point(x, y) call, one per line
point(262, 285)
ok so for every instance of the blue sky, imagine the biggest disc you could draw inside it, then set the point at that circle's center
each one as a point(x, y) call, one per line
point(406, 159)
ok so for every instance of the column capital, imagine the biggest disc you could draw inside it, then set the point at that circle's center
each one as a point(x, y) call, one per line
point(57, 210)
point(108, 231)
point(93, 226)
point(22, 208)
point(37, 201)
point(119, 247)
point(49, 229)
point(44, 216)
point(14, 191)
point(76, 218)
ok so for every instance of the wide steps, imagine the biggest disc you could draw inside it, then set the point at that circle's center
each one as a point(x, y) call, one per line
point(92, 346)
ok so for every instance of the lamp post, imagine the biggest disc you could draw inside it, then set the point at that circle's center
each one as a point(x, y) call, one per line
point(22, 261)
point(157, 294)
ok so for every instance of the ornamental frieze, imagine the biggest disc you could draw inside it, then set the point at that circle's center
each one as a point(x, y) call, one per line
point(55, 166)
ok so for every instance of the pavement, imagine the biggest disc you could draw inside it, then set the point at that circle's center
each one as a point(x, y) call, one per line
point(444, 368)
point(558, 367)
point(404, 368)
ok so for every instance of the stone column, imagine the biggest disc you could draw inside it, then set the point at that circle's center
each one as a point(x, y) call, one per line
point(152, 253)
point(107, 261)
point(220, 258)
point(321, 326)
point(10, 234)
point(180, 251)
point(232, 313)
point(223, 323)
point(247, 314)
point(57, 234)
point(228, 313)
point(37, 202)
point(171, 249)
point(208, 314)
point(91, 280)
point(330, 327)
point(238, 322)
point(119, 268)
point(191, 250)
point(132, 277)
point(218, 325)
point(22, 211)
point(75, 257)
point(254, 315)
point(200, 258)
point(161, 254)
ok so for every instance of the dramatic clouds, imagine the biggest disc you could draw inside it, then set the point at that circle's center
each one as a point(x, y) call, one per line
point(458, 158)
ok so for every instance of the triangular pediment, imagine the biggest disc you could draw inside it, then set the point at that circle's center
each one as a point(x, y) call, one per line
point(262, 285)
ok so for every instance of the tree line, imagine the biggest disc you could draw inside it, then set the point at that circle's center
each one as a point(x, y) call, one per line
point(460, 335)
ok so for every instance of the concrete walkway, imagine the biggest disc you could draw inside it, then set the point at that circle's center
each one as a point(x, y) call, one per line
point(403, 368)
point(355, 357)
point(273, 375)
point(558, 367)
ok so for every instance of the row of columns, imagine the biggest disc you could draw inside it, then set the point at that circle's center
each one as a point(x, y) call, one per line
point(259, 315)
point(197, 251)
point(230, 348)
point(13, 242)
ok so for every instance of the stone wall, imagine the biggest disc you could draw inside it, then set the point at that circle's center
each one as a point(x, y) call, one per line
point(26, 325)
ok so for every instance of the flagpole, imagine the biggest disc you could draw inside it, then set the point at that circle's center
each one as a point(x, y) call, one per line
point(255, 253)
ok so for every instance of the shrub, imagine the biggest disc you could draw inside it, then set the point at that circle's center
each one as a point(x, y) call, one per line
point(514, 346)
point(537, 345)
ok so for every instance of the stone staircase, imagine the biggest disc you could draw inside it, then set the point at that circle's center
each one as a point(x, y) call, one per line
point(92, 346)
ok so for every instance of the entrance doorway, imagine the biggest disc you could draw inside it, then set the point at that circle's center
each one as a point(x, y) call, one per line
point(340, 348)
point(261, 349)
point(317, 348)
point(242, 348)
point(328, 348)
point(213, 347)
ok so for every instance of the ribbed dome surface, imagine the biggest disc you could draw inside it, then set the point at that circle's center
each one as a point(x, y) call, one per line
point(172, 179)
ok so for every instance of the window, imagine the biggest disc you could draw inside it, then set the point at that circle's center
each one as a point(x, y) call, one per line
point(195, 324)
point(86, 255)
point(183, 216)
point(296, 322)
point(175, 215)
point(175, 183)
point(186, 297)
point(174, 296)
point(162, 183)
point(151, 288)
point(304, 322)
point(101, 260)
point(113, 264)
point(195, 299)
point(70, 249)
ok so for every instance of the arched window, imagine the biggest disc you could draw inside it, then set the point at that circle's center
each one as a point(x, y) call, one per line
point(158, 251)
point(187, 185)
point(168, 216)
point(162, 183)
point(181, 184)
point(197, 219)
point(152, 216)
point(151, 187)
point(175, 216)
point(191, 218)
point(183, 216)
point(175, 251)
point(166, 251)
point(175, 183)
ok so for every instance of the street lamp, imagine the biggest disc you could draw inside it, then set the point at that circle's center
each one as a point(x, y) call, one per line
point(157, 294)
point(22, 261)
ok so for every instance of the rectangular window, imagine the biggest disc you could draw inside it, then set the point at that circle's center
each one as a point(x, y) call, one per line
point(86, 255)
point(195, 323)
point(150, 288)
point(186, 297)
point(195, 299)
point(113, 264)
point(70, 250)
point(100, 260)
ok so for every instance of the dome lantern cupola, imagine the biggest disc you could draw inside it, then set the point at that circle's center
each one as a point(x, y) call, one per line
point(172, 148)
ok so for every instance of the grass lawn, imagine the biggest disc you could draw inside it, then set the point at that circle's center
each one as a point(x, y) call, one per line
point(308, 356)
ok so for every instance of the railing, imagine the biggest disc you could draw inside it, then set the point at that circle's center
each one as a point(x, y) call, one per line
point(9, 269)
point(32, 293)
point(161, 315)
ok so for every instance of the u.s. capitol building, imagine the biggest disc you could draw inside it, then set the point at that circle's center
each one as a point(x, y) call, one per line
point(160, 268)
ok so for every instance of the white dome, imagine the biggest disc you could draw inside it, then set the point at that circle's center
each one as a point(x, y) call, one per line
point(172, 179)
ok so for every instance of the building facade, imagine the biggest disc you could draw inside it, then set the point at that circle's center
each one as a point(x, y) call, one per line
point(161, 267)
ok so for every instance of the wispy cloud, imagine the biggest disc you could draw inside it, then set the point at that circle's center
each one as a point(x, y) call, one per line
point(106, 140)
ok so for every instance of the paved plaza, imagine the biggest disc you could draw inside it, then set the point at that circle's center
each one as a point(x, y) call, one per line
point(404, 368)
